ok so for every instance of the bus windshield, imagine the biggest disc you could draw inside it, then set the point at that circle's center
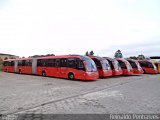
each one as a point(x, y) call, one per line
point(122, 64)
point(129, 67)
point(154, 66)
point(91, 66)
point(105, 65)
point(138, 65)
point(133, 64)
point(117, 65)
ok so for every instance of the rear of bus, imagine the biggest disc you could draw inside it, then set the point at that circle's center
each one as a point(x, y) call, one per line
point(103, 66)
point(136, 66)
point(115, 66)
point(125, 65)
point(8, 65)
point(148, 67)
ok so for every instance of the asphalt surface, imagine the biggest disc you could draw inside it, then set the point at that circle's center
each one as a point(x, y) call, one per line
point(44, 95)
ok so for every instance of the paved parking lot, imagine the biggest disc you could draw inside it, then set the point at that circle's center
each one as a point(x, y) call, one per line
point(36, 94)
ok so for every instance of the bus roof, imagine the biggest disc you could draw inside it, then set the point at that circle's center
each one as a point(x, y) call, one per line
point(108, 58)
point(129, 59)
point(144, 61)
point(121, 59)
point(97, 57)
point(50, 57)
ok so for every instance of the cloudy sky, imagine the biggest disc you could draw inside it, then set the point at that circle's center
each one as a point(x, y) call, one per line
point(29, 27)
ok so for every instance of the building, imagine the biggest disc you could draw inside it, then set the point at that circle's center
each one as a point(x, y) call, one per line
point(7, 56)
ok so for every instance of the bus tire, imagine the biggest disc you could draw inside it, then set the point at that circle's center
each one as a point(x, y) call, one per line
point(70, 76)
point(144, 71)
point(43, 73)
point(19, 71)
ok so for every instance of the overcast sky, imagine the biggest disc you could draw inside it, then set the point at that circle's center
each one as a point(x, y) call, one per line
point(30, 27)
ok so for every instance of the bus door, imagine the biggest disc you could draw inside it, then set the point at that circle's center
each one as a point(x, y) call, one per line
point(57, 68)
point(63, 69)
point(34, 66)
point(16, 66)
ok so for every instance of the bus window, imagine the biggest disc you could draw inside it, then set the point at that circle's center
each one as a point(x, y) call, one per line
point(9, 63)
point(19, 63)
point(98, 63)
point(39, 63)
point(23, 62)
point(150, 65)
point(51, 63)
point(117, 65)
point(28, 63)
point(57, 62)
point(91, 66)
point(111, 65)
point(63, 62)
point(133, 64)
point(146, 64)
point(80, 65)
point(106, 65)
point(5, 63)
point(72, 63)
point(12, 63)
point(122, 64)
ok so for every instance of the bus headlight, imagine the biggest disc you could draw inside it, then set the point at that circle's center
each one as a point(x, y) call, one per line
point(89, 73)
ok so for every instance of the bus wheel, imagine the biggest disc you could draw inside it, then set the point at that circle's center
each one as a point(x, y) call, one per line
point(71, 76)
point(44, 74)
point(144, 71)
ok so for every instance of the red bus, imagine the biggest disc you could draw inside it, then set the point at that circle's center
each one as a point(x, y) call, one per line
point(136, 66)
point(103, 66)
point(115, 66)
point(66, 66)
point(125, 65)
point(148, 66)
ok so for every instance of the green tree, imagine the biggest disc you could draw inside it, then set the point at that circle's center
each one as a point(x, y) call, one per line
point(5, 58)
point(141, 57)
point(87, 54)
point(118, 54)
point(133, 57)
point(91, 53)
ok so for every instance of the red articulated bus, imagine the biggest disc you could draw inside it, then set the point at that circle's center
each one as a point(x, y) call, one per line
point(115, 66)
point(103, 66)
point(66, 66)
point(125, 65)
point(148, 66)
point(136, 66)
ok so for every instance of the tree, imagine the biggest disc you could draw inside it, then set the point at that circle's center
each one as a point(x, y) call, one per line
point(91, 53)
point(118, 54)
point(141, 57)
point(87, 54)
point(1, 60)
point(133, 57)
point(5, 58)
